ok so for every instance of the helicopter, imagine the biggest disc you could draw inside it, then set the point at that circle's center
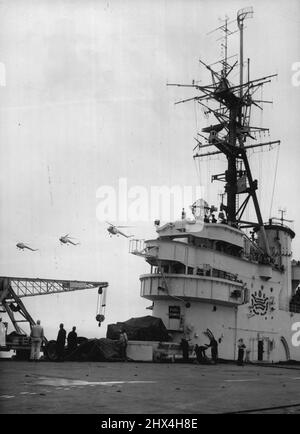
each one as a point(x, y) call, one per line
point(66, 239)
point(22, 246)
point(114, 230)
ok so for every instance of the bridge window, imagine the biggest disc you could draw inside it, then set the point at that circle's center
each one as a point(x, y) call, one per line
point(178, 268)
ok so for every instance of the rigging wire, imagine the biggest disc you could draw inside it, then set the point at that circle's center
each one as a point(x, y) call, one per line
point(98, 299)
point(196, 119)
point(274, 183)
point(197, 164)
point(197, 170)
point(260, 157)
point(247, 212)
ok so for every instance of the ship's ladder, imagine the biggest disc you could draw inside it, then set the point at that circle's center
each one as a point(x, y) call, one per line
point(161, 272)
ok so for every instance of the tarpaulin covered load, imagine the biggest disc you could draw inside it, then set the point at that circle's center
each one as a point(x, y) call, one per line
point(17, 338)
point(97, 350)
point(146, 328)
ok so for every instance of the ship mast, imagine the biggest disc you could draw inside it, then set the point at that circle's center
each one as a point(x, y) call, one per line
point(229, 135)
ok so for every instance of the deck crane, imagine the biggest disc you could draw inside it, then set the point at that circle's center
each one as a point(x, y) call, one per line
point(13, 289)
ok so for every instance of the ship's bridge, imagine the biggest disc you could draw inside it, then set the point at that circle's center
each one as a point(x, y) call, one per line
point(184, 263)
point(206, 288)
point(183, 241)
point(198, 229)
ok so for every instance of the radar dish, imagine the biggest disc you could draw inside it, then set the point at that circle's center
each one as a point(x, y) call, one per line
point(199, 209)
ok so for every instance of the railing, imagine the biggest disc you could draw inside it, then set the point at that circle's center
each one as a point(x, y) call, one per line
point(140, 248)
point(137, 246)
point(193, 287)
point(206, 271)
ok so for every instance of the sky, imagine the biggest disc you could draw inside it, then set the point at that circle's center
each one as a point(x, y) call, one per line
point(85, 104)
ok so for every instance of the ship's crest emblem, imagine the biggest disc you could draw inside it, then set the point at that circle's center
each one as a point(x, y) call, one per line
point(259, 303)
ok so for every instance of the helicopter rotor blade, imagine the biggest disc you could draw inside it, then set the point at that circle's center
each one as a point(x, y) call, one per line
point(124, 226)
point(110, 224)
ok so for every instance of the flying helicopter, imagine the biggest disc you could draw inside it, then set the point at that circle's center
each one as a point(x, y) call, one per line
point(66, 239)
point(114, 230)
point(22, 246)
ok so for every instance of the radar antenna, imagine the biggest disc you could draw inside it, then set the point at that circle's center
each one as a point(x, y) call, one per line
point(231, 105)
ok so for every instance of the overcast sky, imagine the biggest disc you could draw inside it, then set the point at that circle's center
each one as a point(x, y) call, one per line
point(86, 103)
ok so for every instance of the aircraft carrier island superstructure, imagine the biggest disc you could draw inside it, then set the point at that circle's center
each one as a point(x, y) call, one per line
point(219, 272)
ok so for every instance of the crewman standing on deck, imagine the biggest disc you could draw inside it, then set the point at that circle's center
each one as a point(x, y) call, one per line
point(124, 342)
point(72, 340)
point(60, 342)
point(36, 337)
point(184, 344)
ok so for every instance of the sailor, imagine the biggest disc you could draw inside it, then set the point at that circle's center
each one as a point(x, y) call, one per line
point(214, 349)
point(2, 334)
point(124, 342)
point(213, 219)
point(241, 348)
point(72, 340)
point(36, 337)
point(185, 348)
point(194, 208)
point(200, 353)
point(60, 342)
point(252, 233)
